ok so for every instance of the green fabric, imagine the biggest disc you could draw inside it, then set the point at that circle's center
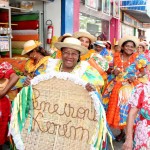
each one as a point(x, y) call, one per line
point(17, 51)
point(26, 17)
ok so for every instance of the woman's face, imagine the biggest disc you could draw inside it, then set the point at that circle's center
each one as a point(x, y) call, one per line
point(98, 48)
point(128, 48)
point(140, 49)
point(70, 57)
point(85, 41)
point(32, 54)
point(117, 48)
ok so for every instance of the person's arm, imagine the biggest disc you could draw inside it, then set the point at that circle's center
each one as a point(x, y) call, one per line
point(12, 81)
point(129, 132)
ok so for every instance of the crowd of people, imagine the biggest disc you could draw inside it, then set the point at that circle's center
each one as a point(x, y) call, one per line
point(119, 72)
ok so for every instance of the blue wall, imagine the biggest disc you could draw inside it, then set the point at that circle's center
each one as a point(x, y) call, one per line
point(66, 16)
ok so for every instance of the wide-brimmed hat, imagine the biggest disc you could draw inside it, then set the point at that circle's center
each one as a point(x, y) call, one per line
point(143, 45)
point(100, 43)
point(30, 45)
point(129, 38)
point(61, 38)
point(73, 43)
point(86, 34)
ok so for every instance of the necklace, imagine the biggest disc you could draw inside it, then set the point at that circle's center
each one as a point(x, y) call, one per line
point(124, 64)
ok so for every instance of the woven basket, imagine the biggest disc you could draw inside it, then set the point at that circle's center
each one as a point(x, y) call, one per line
point(64, 117)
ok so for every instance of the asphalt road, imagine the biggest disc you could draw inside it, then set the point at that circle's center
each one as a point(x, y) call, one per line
point(117, 145)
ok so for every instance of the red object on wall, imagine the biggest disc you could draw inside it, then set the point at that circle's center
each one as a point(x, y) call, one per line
point(50, 29)
point(25, 25)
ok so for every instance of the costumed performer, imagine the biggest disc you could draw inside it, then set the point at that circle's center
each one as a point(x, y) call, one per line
point(8, 79)
point(128, 67)
point(36, 64)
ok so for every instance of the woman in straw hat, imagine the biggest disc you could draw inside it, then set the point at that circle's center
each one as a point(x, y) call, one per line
point(127, 69)
point(72, 49)
point(36, 64)
point(138, 138)
point(7, 80)
point(87, 40)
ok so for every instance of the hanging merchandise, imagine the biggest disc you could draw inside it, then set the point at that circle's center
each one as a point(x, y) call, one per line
point(50, 30)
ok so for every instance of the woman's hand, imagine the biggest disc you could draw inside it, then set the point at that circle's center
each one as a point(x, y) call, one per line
point(27, 81)
point(128, 145)
point(131, 79)
point(90, 87)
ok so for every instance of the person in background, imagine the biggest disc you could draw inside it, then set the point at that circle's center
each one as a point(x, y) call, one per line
point(117, 48)
point(8, 79)
point(108, 45)
point(87, 40)
point(36, 64)
point(138, 138)
point(142, 50)
point(128, 67)
point(99, 48)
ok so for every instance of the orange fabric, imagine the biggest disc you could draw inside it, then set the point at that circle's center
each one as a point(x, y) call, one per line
point(16, 63)
point(112, 114)
point(87, 55)
point(25, 37)
point(118, 61)
point(99, 69)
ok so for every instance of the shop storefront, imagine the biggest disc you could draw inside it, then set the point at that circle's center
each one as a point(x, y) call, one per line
point(94, 19)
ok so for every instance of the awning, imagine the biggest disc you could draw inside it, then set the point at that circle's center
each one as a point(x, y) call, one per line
point(141, 16)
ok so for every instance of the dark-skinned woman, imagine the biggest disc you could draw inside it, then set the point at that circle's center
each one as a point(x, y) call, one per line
point(128, 68)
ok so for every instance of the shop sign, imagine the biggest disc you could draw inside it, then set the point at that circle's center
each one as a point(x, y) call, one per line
point(116, 9)
point(130, 21)
point(93, 4)
point(106, 7)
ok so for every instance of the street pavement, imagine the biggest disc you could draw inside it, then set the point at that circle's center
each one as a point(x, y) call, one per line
point(117, 145)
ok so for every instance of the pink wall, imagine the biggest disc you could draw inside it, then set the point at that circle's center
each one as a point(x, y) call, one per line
point(76, 22)
point(114, 30)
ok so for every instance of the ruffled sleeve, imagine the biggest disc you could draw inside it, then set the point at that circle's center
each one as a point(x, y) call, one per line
point(92, 76)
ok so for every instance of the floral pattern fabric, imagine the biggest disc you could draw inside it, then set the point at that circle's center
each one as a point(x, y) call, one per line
point(141, 99)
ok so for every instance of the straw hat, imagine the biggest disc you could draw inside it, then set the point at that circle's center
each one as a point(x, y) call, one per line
point(84, 34)
point(127, 38)
point(29, 46)
point(73, 43)
point(100, 43)
point(60, 39)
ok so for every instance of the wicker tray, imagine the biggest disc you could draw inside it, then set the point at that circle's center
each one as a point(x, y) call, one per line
point(64, 117)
